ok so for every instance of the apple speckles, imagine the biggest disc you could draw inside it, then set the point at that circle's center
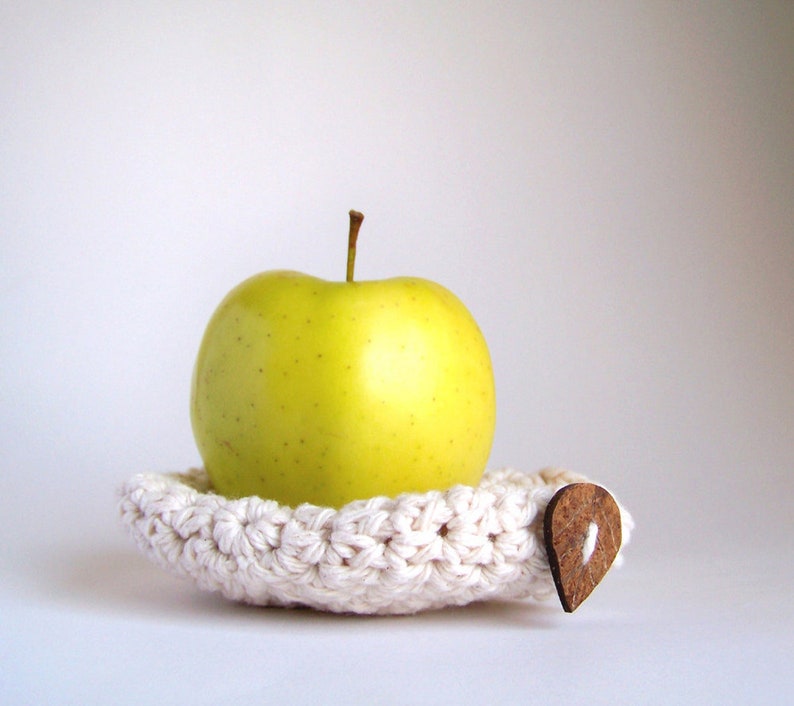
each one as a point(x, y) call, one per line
point(371, 366)
point(228, 446)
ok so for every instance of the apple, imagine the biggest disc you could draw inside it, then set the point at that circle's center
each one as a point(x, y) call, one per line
point(306, 390)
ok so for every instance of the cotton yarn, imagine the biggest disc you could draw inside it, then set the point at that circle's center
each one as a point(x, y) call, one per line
point(379, 556)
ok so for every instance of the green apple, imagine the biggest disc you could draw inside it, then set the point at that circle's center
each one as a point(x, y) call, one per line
point(307, 390)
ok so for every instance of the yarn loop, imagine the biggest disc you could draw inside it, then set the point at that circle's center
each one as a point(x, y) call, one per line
point(379, 556)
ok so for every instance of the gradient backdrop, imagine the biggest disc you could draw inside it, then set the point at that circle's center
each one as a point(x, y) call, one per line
point(609, 187)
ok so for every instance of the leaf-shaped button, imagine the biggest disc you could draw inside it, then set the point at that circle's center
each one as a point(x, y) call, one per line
point(582, 533)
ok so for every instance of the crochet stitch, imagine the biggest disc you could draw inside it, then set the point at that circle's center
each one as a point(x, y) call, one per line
point(379, 556)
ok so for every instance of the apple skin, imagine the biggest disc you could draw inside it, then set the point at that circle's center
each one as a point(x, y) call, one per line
point(306, 390)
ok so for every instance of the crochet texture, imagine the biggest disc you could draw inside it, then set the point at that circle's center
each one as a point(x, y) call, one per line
point(384, 555)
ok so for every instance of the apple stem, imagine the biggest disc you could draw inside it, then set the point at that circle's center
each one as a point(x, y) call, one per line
point(355, 223)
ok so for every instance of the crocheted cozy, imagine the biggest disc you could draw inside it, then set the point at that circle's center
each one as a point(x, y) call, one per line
point(384, 555)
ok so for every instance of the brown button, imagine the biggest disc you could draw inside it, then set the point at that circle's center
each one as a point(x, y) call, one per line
point(582, 532)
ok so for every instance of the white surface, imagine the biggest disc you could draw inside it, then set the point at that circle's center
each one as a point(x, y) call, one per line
point(609, 187)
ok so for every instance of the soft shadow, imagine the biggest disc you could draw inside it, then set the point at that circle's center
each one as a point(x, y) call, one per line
point(117, 580)
point(122, 581)
point(520, 615)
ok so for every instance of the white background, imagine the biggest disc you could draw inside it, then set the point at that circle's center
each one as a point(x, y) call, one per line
point(608, 186)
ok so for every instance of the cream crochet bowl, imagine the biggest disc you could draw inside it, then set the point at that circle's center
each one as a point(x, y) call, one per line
point(380, 556)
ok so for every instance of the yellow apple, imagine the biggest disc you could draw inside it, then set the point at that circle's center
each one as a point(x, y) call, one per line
point(307, 390)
